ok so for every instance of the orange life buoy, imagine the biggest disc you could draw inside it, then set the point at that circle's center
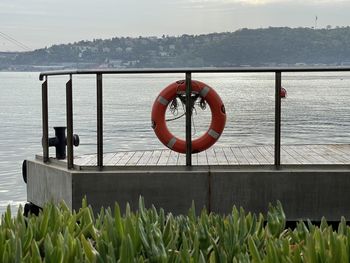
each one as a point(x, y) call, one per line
point(218, 116)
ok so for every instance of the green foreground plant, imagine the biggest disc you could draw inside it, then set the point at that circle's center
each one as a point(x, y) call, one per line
point(149, 235)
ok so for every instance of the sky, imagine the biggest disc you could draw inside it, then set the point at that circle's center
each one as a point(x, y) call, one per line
point(42, 23)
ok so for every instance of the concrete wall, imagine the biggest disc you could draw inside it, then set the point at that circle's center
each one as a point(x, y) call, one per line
point(48, 183)
point(305, 192)
point(173, 191)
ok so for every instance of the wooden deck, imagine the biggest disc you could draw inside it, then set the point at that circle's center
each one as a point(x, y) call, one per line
point(243, 155)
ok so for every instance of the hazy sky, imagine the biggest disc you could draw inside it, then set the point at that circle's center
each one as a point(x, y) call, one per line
point(40, 23)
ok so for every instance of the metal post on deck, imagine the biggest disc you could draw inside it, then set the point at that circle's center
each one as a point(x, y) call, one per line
point(278, 84)
point(188, 120)
point(45, 120)
point(99, 93)
point(69, 112)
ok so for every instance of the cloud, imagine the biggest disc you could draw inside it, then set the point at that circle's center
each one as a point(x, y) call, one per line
point(267, 2)
point(255, 2)
point(39, 23)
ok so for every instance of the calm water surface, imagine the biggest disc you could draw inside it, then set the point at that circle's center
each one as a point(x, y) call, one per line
point(316, 110)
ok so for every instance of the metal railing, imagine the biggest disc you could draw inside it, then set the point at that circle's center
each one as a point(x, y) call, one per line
point(188, 74)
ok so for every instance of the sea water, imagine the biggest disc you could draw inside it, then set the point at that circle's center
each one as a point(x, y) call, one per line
point(316, 111)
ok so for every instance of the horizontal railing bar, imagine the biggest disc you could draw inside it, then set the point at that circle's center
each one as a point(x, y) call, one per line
point(193, 70)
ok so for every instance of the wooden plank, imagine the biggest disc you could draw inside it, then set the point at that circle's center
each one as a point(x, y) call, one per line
point(286, 157)
point(344, 148)
point(317, 155)
point(164, 157)
point(318, 158)
point(182, 159)
point(93, 161)
point(248, 155)
point(267, 154)
point(173, 157)
point(304, 154)
point(239, 155)
point(220, 156)
point(326, 154)
point(202, 158)
point(336, 153)
point(84, 159)
point(154, 158)
point(145, 158)
point(107, 158)
point(115, 159)
point(262, 154)
point(211, 156)
point(341, 151)
point(308, 156)
point(295, 154)
point(270, 149)
point(257, 155)
point(135, 158)
point(231, 158)
point(126, 157)
point(195, 159)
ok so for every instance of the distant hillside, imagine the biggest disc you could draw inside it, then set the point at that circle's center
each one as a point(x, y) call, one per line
point(254, 47)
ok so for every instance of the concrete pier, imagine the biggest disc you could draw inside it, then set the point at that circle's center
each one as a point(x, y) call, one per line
point(306, 191)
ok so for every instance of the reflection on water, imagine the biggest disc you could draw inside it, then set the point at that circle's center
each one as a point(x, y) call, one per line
point(315, 111)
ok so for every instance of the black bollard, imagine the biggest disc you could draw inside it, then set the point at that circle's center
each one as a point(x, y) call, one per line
point(60, 142)
point(30, 208)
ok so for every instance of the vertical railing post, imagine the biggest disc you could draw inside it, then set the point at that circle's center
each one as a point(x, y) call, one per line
point(188, 120)
point(278, 83)
point(69, 118)
point(99, 121)
point(45, 120)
